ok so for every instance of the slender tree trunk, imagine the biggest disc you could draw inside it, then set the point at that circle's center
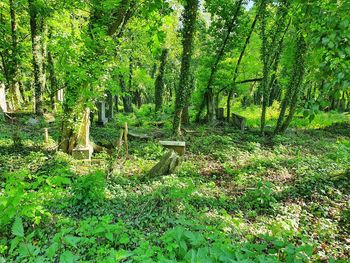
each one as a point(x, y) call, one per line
point(14, 89)
point(43, 48)
point(35, 35)
point(209, 91)
point(53, 81)
point(117, 103)
point(126, 96)
point(235, 75)
point(190, 17)
point(296, 81)
point(211, 114)
point(271, 47)
point(159, 87)
point(186, 114)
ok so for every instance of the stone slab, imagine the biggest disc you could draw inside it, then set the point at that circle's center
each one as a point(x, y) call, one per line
point(177, 146)
point(82, 153)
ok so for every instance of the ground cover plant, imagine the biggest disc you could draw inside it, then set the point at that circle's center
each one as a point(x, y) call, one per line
point(235, 197)
point(174, 131)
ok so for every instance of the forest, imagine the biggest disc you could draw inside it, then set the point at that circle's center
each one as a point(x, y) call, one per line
point(197, 131)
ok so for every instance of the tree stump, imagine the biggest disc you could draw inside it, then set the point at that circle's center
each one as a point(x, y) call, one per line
point(166, 165)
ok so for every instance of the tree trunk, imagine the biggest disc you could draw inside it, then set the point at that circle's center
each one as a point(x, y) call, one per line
point(53, 81)
point(159, 87)
point(293, 93)
point(211, 114)
point(209, 94)
point(271, 47)
point(235, 75)
point(190, 17)
point(35, 36)
point(126, 96)
point(14, 89)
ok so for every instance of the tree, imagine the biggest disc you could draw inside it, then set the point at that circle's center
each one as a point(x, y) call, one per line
point(189, 25)
point(159, 87)
point(37, 56)
point(270, 49)
point(292, 95)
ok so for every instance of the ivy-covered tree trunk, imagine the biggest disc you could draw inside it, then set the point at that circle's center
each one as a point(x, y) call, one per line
point(292, 95)
point(271, 48)
point(53, 80)
point(126, 96)
point(36, 52)
point(159, 86)
point(43, 50)
point(15, 95)
point(189, 25)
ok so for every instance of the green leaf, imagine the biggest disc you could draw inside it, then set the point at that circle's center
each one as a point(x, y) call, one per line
point(14, 243)
point(71, 240)
point(51, 251)
point(17, 227)
point(109, 236)
point(67, 257)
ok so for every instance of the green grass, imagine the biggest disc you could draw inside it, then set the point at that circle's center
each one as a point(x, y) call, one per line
point(236, 196)
point(321, 120)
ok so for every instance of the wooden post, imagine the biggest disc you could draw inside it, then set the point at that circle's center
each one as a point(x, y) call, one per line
point(46, 135)
point(126, 140)
point(120, 142)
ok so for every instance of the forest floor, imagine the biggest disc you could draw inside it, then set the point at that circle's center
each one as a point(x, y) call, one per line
point(236, 197)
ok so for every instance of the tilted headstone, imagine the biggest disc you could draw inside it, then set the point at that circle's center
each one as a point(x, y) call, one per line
point(239, 121)
point(167, 164)
point(3, 104)
point(220, 114)
point(101, 110)
point(84, 149)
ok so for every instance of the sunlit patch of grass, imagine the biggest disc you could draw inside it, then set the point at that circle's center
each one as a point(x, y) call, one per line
point(321, 120)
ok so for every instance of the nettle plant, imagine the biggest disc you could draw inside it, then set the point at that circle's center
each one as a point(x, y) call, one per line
point(89, 190)
point(261, 198)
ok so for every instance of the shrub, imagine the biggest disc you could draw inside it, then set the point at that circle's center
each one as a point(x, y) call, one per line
point(261, 198)
point(89, 190)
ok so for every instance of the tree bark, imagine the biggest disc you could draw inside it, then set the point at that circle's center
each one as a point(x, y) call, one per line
point(35, 36)
point(190, 18)
point(295, 83)
point(14, 89)
point(159, 87)
point(126, 96)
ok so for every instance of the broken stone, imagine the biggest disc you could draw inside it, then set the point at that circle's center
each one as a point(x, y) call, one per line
point(239, 121)
point(139, 135)
point(177, 146)
point(166, 165)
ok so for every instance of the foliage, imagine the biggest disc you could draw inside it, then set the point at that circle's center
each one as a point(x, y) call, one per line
point(88, 190)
